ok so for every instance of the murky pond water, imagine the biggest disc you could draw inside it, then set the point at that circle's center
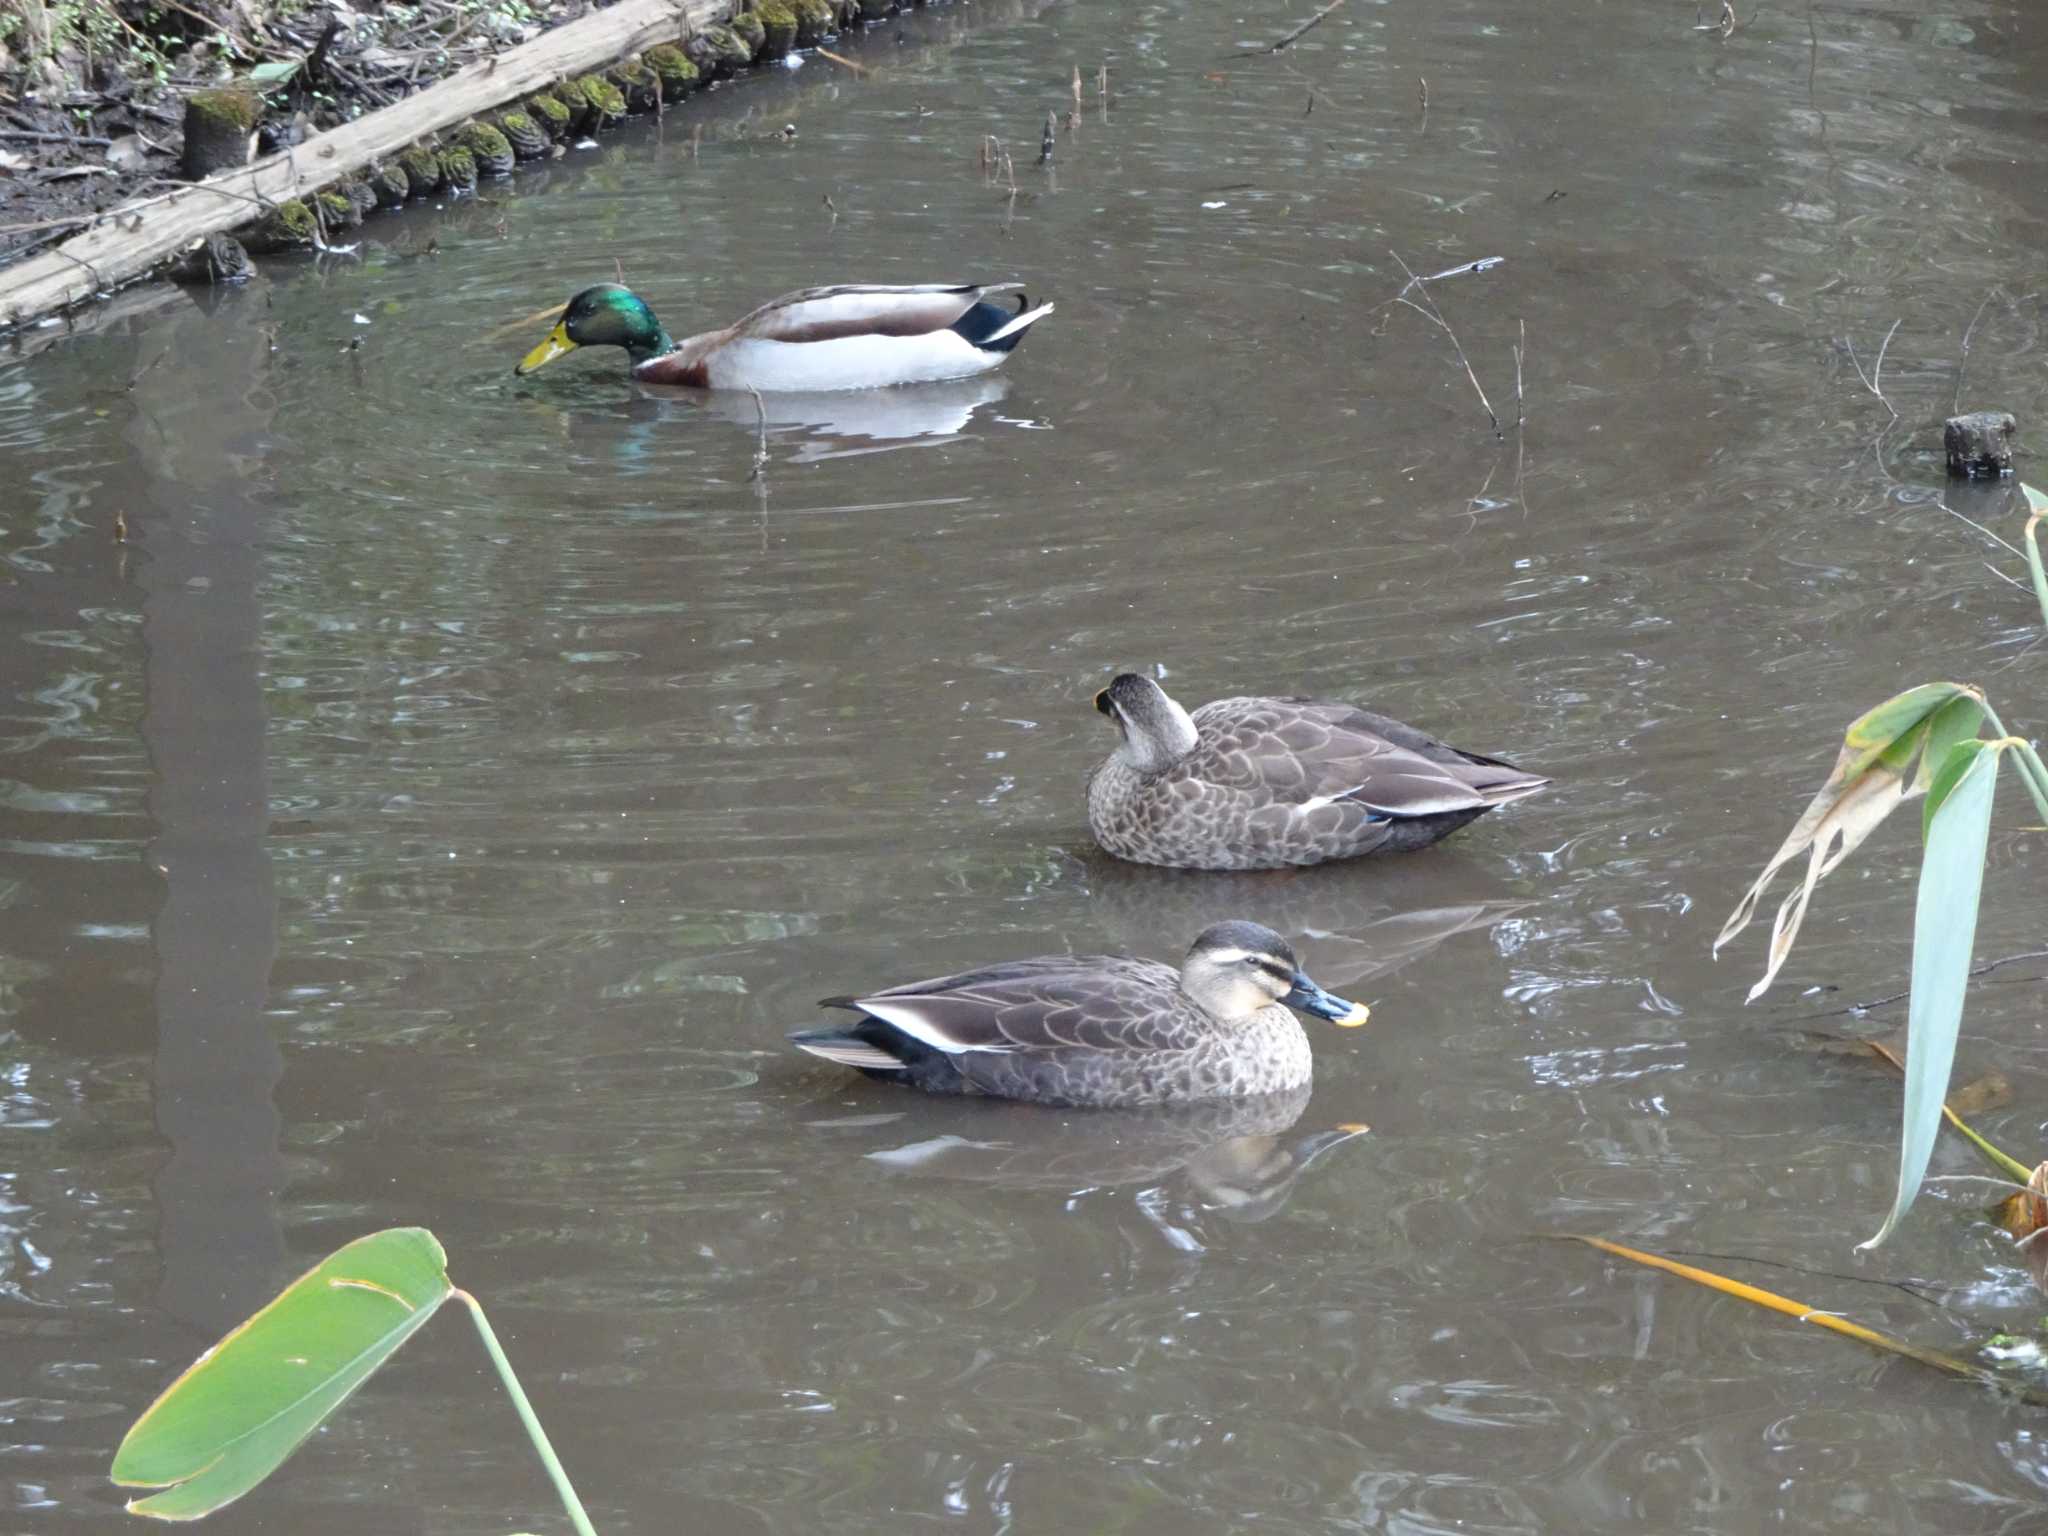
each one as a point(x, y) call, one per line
point(438, 808)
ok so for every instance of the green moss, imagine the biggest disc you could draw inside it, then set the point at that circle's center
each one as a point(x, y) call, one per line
point(458, 169)
point(778, 23)
point(607, 102)
point(733, 52)
point(286, 225)
point(361, 195)
point(338, 209)
point(816, 20)
point(552, 116)
point(422, 168)
point(489, 148)
point(637, 84)
point(749, 29)
point(230, 109)
point(528, 139)
point(672, 66)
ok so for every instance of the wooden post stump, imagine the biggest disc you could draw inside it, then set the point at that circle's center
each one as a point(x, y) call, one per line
point(220, 130)
point(1979, 444)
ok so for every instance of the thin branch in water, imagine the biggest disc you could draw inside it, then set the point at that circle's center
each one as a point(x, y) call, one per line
point(1289, 39)
point(843, 63)
point(761, 441)
point(1963, 357)
point(1521, 347)
point(1046, 139)
point(1877, 373)
point(1871, 380)
point(1994, 538)
point(1435, 316)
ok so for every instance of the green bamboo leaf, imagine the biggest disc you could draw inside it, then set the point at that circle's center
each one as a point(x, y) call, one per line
point(1958, 720)
point(274, 72)
point(1944, 928)
point(2037, 504)
point(245, 1405)
point(1868, 738)
point(1956, 762)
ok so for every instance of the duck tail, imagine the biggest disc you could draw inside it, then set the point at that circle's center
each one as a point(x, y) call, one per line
point(1507, 785)
point(849, 1048)
point(995, 329)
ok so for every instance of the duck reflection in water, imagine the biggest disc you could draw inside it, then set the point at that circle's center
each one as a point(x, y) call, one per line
point(1237, 1159)
point(1352, 924)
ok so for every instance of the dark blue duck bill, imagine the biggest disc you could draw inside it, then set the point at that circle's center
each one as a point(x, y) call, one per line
point(1310, 998)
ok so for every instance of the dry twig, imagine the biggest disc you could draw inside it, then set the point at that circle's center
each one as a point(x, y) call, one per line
point(1435, 317)
point(1289, 39)
point(1874, 380)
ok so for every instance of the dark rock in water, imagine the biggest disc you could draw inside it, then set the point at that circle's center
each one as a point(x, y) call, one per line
point(748, 27)
point(214, 259)
point(575, 101)
point(876, 10)
point(638, 84)
point(528, 139)
point(849, 14)
point(549, 114)
point(816, 20)
point(673, 68)
point(286, 227)
point(422, 170)
point(392, 185)
point(220, 130)
point(1979, 444)
point(717, 53)
point(778, 29)
point(607, 102)
point(361, 195)
point(458, 169)
point(487, 147)
point(336, 209)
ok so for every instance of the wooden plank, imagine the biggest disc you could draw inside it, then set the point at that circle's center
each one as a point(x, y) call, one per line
point(129, 240)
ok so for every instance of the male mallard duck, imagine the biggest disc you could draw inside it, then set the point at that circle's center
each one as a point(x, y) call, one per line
point(1265, 783)
point(855, 336)
point(1096, 1030)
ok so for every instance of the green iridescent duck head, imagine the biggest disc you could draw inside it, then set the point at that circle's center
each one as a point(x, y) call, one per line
point(605, 316)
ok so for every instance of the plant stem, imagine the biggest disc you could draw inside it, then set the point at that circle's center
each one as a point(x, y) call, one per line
point(528, 1417)
point(1992, 1155)
point(2034, 567)
point(2032, 774)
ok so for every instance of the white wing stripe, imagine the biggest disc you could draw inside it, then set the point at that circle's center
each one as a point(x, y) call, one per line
point(904, 1015)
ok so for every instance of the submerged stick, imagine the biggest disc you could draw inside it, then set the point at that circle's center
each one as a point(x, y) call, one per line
point(1873, 381)
point(1289, 39)
point(1435, 317)
point(1800, 1312)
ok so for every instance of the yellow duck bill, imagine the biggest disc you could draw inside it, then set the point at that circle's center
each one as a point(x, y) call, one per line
point(556, 344)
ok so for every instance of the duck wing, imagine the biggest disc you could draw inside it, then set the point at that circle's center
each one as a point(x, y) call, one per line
point(1315, 753)
point(863, 309)
point(1056, 1002)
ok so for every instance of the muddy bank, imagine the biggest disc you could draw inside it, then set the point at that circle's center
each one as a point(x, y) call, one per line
point(524, 103)
point(94, 99)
